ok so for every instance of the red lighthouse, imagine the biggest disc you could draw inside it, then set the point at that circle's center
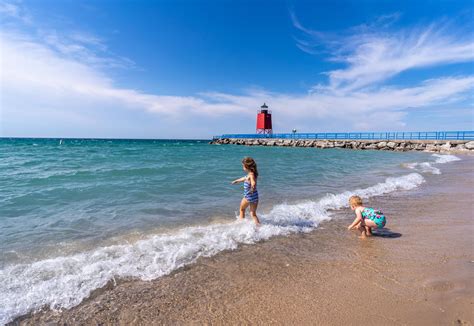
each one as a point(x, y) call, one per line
point(264, 121)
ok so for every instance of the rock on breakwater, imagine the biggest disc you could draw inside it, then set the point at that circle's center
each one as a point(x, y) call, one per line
point(434, 146)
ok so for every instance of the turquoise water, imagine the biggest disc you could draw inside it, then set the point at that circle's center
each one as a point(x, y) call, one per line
point(142, 208)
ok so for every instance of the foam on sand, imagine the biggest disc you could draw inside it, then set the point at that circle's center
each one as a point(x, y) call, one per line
point(427, 167)
point(63, 282)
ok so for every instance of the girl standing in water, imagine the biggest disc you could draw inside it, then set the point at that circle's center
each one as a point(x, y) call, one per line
point(250, 189)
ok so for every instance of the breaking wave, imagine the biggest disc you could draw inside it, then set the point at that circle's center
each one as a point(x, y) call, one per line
point(427, 167)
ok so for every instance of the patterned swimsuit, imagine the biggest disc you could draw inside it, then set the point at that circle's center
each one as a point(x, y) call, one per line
point(374, 215)
point(252, 197)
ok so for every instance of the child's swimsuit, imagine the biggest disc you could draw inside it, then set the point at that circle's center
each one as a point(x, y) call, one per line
point(252, 197)
point(374, 215)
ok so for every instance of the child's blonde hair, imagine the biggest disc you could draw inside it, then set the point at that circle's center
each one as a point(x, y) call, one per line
point(355, 201)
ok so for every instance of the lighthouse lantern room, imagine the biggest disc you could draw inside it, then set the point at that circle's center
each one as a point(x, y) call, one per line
point(264, 121)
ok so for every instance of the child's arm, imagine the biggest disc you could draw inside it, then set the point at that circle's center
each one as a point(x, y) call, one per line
point(238, 180)
point(253, 182)
point(356, 220)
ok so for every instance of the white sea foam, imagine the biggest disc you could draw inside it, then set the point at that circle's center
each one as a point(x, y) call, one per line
point(64, 282)
point(441, 159)
point(427, 167)
point(424, 167)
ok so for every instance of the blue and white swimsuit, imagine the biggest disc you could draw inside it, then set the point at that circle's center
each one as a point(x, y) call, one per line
point(252, 197)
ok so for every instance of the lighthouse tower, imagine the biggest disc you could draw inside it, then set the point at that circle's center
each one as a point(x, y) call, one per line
point(264, 121)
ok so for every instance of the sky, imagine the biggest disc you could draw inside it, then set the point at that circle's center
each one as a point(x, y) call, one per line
point(193, 69)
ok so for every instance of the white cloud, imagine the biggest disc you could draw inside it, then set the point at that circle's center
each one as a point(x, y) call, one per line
point(83, 47)
point(376, 59)
point(9, 9)
point(15, 11)
point(372, 54)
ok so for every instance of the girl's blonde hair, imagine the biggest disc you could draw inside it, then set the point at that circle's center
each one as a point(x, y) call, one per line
point(250, 165)
point(355, 201)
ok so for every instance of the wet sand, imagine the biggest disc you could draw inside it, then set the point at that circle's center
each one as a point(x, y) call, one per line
point(418, 272)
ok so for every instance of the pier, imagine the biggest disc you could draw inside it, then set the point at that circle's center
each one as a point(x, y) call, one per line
point(435, 142)
point(411, 135)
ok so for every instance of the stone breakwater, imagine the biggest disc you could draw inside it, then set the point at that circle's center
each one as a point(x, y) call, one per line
point(434, 146)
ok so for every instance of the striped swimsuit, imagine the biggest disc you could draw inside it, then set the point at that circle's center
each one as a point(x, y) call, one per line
point(252, 197)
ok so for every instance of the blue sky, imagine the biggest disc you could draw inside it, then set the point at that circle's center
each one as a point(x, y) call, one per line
point(193, 69)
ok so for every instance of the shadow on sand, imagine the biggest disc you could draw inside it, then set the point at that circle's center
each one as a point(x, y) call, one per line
point(386, 233)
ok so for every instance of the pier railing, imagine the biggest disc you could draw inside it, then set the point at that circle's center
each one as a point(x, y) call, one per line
point(414, 135)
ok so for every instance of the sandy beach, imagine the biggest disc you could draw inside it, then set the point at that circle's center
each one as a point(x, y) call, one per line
point(417, 272)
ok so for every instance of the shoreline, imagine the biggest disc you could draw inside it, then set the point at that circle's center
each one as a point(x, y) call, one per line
point(318, 277)
point(431, 146)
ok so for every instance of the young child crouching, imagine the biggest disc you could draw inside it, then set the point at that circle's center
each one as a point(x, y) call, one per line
point(366, 218)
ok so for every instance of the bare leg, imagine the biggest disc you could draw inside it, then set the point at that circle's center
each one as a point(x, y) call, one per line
point(368, 231)
point(253, 213)
point(243, 206)
point(369, 225)
point(361, 229)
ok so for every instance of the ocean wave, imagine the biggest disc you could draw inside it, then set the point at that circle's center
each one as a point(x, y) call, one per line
point(427, 167)
point(446, 158)
point(63, 282)
point(423, 167)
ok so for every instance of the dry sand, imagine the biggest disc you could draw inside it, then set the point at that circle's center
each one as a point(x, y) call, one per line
point(419, 272)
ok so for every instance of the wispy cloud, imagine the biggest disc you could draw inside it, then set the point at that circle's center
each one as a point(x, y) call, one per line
point(372, 54)
point(84, 48)
point(15, 11)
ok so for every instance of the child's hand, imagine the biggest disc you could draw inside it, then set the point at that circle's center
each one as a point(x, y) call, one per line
point(350, 227)
point(238, 180)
